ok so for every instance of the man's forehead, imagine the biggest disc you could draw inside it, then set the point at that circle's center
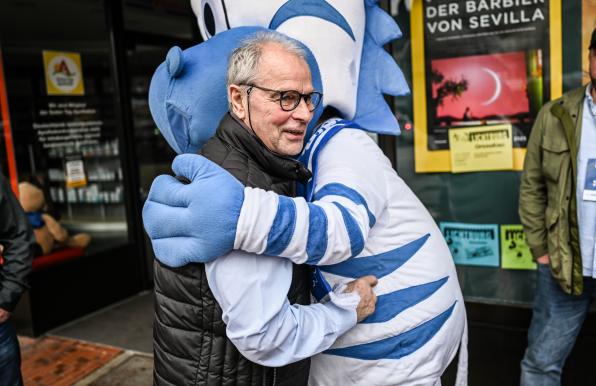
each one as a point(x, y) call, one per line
point(278, 62)
point(273, 51)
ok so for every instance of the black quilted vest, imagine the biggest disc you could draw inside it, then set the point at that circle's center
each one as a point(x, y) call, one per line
point(189, 336)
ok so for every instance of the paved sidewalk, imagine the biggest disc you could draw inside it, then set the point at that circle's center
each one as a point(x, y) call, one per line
point(58, 361)
point(110, 347)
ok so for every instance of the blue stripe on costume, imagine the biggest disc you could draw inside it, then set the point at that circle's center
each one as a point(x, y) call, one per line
point(311, 151)
point(317, 234)
point(337, 189)
point(391, 304)
point(283, 227)
point(354, 232)
point(399, 346)
point(378, 265)
point(315, 8)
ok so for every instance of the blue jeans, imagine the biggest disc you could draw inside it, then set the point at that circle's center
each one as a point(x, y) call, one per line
point(556, 321)
point(10, 356)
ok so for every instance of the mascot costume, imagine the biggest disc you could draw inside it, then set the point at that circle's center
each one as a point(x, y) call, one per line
point(356, 217)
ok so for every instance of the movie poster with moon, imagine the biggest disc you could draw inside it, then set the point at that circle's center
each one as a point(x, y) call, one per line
point(480, 63)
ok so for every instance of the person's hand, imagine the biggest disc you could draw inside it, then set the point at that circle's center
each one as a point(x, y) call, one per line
point(544, 260)
point(368, 299)
point(194, 222)
point(4, 315)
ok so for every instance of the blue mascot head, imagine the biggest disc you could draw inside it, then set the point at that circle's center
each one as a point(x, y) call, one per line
point(188, 92)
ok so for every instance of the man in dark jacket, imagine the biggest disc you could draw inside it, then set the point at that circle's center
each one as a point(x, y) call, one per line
point(557, 207)
point(16, 249)
point(241, 319)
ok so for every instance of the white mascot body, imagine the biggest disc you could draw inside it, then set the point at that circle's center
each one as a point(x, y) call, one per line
point(356, 216)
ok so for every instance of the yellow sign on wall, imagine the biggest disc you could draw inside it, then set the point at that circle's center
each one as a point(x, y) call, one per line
point(64, 73)
point(480, 149)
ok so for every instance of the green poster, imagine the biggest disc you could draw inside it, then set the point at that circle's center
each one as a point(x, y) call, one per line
point(515, 254)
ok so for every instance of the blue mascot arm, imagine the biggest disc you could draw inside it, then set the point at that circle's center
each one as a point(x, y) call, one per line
point(193, 222)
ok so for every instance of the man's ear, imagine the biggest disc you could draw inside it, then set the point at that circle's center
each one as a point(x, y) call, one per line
point(235, 96)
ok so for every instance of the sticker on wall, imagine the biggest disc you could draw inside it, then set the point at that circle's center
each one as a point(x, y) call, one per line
point(515, 253)
point(472, 244)
point(482, 148)
point(74, 168)
point(63, 72)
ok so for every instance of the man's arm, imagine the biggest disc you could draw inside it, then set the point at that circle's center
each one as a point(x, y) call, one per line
point(350, 195)
point(17, 239)
point(252, 292)
point(214, 213)
point(533, 194)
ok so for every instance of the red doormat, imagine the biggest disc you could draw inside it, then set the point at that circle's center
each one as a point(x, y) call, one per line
point(61, 362)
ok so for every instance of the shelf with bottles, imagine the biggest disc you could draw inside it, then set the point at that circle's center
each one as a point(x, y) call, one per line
point(97, 174)
point(103, 149)
point(90, 194)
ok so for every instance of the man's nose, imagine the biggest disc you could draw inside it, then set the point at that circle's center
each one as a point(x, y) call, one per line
point(302, 112)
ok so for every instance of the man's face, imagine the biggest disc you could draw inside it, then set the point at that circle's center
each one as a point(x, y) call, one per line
point(333, 30)
point(281, 131)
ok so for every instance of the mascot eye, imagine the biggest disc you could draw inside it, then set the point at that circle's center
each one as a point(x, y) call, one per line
point(209, 20)
point(212, 17)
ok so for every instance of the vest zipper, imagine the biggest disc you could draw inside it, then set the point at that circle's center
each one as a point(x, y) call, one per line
point(274, 376)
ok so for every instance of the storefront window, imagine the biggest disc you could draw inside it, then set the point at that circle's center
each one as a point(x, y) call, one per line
point(471, 70)
point(60, 95)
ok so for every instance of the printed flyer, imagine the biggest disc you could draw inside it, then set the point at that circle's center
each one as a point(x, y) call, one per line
point(483, 148)
point(472, 244)
point(478, 63)
point(515, 253)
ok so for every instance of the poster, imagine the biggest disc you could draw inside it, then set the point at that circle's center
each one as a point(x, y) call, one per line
point(63, 73)
point(588, 25)
point(477, 63)
point(483, 148)
point(472, 244)
point(515, 253)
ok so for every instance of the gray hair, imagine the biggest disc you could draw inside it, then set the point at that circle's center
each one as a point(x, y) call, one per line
point(243, 65)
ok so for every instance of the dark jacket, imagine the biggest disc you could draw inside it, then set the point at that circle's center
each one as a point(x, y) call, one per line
point(547, 201)
point(190, 343)
point(16, 236)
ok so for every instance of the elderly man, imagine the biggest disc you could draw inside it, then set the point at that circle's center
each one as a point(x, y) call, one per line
point(214, 321)
point(557, 206)
point(356, 217)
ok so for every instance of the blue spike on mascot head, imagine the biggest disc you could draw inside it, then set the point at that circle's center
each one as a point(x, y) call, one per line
point(345, 36)
point(188, 94)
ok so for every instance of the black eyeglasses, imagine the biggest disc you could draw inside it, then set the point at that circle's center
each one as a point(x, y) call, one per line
point(290, 99)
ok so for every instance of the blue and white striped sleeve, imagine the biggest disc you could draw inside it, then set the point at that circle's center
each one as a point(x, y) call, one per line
point(350, 194)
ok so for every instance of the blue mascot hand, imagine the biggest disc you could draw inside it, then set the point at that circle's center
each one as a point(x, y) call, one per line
point(193, 222)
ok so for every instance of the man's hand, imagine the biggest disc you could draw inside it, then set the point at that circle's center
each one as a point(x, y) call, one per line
point(4, 315)
point(368, 299)
point(194, 222)
point(544, 260)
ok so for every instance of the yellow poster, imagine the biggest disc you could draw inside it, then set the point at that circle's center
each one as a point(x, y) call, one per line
point(480, 149)
point(476, 63)
point(63, 72)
